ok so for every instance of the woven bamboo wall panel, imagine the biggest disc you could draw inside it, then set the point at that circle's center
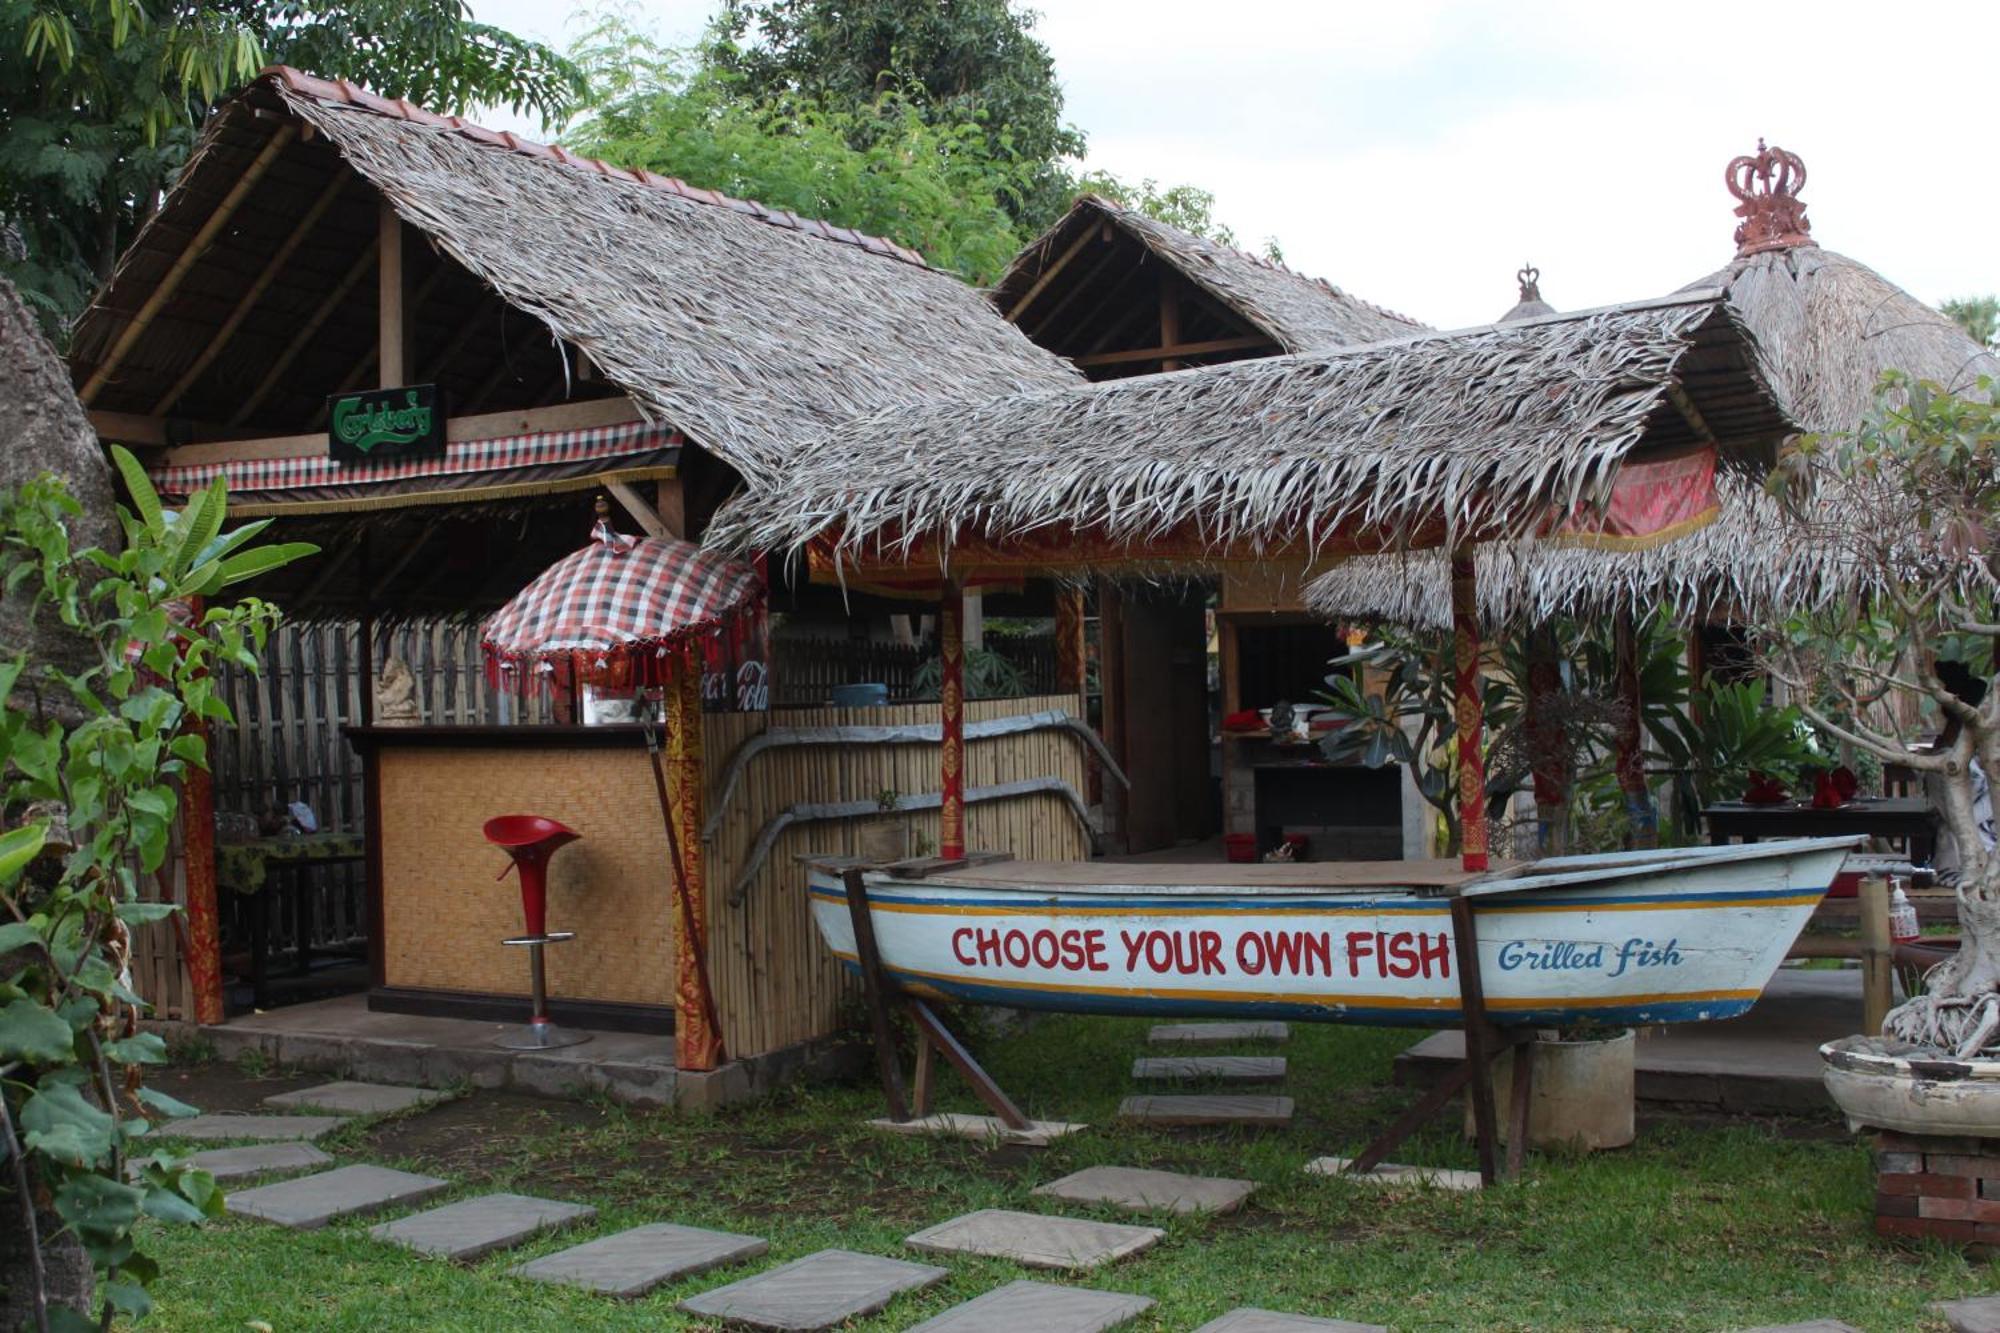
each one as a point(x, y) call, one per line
point(775, 983)
point(444, 914)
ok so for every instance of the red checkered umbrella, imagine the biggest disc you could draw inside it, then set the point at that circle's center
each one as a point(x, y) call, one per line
point(620, 611)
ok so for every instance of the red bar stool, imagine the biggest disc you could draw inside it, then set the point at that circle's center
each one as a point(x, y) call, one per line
point(531, 840)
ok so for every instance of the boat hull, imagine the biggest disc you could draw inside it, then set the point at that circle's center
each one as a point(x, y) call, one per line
point(1635, 938)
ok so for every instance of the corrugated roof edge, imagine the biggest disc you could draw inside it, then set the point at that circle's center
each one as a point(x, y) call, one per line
point(341, 92)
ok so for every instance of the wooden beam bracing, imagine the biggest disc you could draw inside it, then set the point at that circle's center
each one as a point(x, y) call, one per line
point(635, 505)
point(170, 282)
point(1048, 276)
point(255, 292)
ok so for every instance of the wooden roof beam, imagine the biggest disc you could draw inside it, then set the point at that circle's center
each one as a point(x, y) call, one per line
point(585, 415)
point(1076, 289)
point(255, 292)
point(1175, 351)
point(170, 282)
point(1692, 415)
point(307, 331)
point(635, 505)
point(1071, 251)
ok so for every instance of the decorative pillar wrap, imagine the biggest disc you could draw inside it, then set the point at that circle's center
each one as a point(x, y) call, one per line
point(696, 1044)
point(951, 705)
point(1630, 760)
point(204, 935)
point(1469, 711)
point(1546, 747)
point(1070, 651)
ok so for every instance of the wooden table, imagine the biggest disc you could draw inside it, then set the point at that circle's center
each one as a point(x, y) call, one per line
point(247, 869)
point(1904, 817)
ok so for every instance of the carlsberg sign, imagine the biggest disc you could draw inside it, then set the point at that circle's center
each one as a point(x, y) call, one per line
point(385, 424)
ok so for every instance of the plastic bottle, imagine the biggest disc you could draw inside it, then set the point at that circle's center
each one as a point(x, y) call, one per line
point(1902, 917)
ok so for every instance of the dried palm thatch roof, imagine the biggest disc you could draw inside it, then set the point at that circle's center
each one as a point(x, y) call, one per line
point(1298, 313)
point(1480, 432)
point(749, 329)
point(1828, 327)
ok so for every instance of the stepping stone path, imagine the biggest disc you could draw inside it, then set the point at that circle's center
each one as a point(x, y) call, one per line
point(267, 1128)
point(1038, 1134)
point(262, 1159)
point(1038, 1240)
point(816, 1292)
point(1980, 1314)
point(631, 1263)
point(1250, 1320)
point(1141, 1190)
point(346, 1098)
point(1814, 1326)
point(473, 1227)
point(1216, 1034)
point(1216, 1068)
point(311, 1202)
point(1041, 1307)
point(1390, 1173)
point(1216, 1110)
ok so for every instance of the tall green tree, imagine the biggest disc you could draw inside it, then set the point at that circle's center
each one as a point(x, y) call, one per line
point(100, 100)
point(1979, 316)
point(976, 62)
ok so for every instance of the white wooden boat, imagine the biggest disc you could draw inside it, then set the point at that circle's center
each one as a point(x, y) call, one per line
point(1632, 937)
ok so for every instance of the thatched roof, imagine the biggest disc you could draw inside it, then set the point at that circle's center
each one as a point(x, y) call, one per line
point(748, 329)
point(1298, 313)
point(1828, 327)
point(1483, 431)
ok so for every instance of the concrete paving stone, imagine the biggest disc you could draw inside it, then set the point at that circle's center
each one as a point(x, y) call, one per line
point(1210, 1068)
point(1252, 1320)
point(264, 1128)
point(816, 1292)
point(631, 1263)
point(1392, 1173)
point(1809, 1326)
point(310, 1202)
point(474, 1227)
point(1976, 1314)
point(350, 1098)
point(261, 1159)
point(1038, 1240)
point(1176, 1110)
point(1216, 1034)
point(1038, 1134)
point(1040, 1306)
point(1143, 1190)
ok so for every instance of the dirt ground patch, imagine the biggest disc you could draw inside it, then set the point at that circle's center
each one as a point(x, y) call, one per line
point(486, 1134)
point(217, 1086)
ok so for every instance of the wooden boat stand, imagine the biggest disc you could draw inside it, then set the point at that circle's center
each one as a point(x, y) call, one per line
point(1484, 1043)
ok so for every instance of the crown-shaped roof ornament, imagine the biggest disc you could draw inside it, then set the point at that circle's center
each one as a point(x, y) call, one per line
point(1767, 188)
point(1530, 279)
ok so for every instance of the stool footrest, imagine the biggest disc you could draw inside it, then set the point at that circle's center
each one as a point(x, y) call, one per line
point(553, 937)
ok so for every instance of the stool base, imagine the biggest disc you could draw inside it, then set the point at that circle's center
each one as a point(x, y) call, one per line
point(540, 1036)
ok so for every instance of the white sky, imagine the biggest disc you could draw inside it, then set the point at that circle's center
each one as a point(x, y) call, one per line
point(1416, 152)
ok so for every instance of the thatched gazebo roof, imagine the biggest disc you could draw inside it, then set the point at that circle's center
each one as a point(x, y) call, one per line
point(748, 329)
point(1483, 432)
point(1828, 327)
point(1296, 313)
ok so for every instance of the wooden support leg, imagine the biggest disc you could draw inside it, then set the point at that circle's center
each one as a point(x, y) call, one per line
point(923, 1085)
point(874, 986)
point(1479, 1037)
point(1411, 1120)
point(1521, 1101)
point(961, 1059)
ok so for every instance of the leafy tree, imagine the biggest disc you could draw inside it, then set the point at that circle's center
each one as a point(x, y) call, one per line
point(99, 101)
point(977, 62)
point(89, 759)
point(1979, 316)
point(931, 185)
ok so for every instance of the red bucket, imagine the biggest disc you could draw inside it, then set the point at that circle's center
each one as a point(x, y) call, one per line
point(1240, 846)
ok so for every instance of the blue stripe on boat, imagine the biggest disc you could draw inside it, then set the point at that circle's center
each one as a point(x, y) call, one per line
point(1030, 900)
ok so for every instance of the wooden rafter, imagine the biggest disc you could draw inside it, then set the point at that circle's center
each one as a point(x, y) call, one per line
point(1070, 252)
point(635, 505)
point(255, 292)
point(307, 332)
point(1076, 289)
point(165, 288)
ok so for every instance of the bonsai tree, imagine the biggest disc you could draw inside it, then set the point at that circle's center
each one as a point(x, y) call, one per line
point(1912, 497)
point(93, 740)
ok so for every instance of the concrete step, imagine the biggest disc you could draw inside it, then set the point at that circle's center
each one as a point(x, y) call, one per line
point(1175, 1111)
point(1209, 1069)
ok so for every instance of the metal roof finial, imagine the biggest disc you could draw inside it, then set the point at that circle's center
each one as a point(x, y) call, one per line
point(1530, 278)
point(1767, 187)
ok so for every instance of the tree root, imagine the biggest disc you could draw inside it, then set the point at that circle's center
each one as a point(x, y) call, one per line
point(1966, 1026)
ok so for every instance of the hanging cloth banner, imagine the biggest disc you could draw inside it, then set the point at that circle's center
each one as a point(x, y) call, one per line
point(1653, 501)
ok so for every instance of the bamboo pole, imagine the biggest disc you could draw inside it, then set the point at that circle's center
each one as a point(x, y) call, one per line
point(164, 290)
point(1469, 711)
point(951, 704)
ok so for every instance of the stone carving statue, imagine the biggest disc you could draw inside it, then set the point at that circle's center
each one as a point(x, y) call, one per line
point(396, 696)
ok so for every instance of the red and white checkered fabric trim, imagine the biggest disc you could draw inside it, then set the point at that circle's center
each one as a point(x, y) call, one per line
point(494, 455)
point(620, 593)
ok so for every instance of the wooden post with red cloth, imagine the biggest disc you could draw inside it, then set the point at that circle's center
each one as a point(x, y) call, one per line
point(1547, 755)
point(697, 1043)
point(203, 939)
point(951, 705)
point(1468, 710)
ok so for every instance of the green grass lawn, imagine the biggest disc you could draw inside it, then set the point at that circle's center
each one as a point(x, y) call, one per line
point(1702, 1225)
